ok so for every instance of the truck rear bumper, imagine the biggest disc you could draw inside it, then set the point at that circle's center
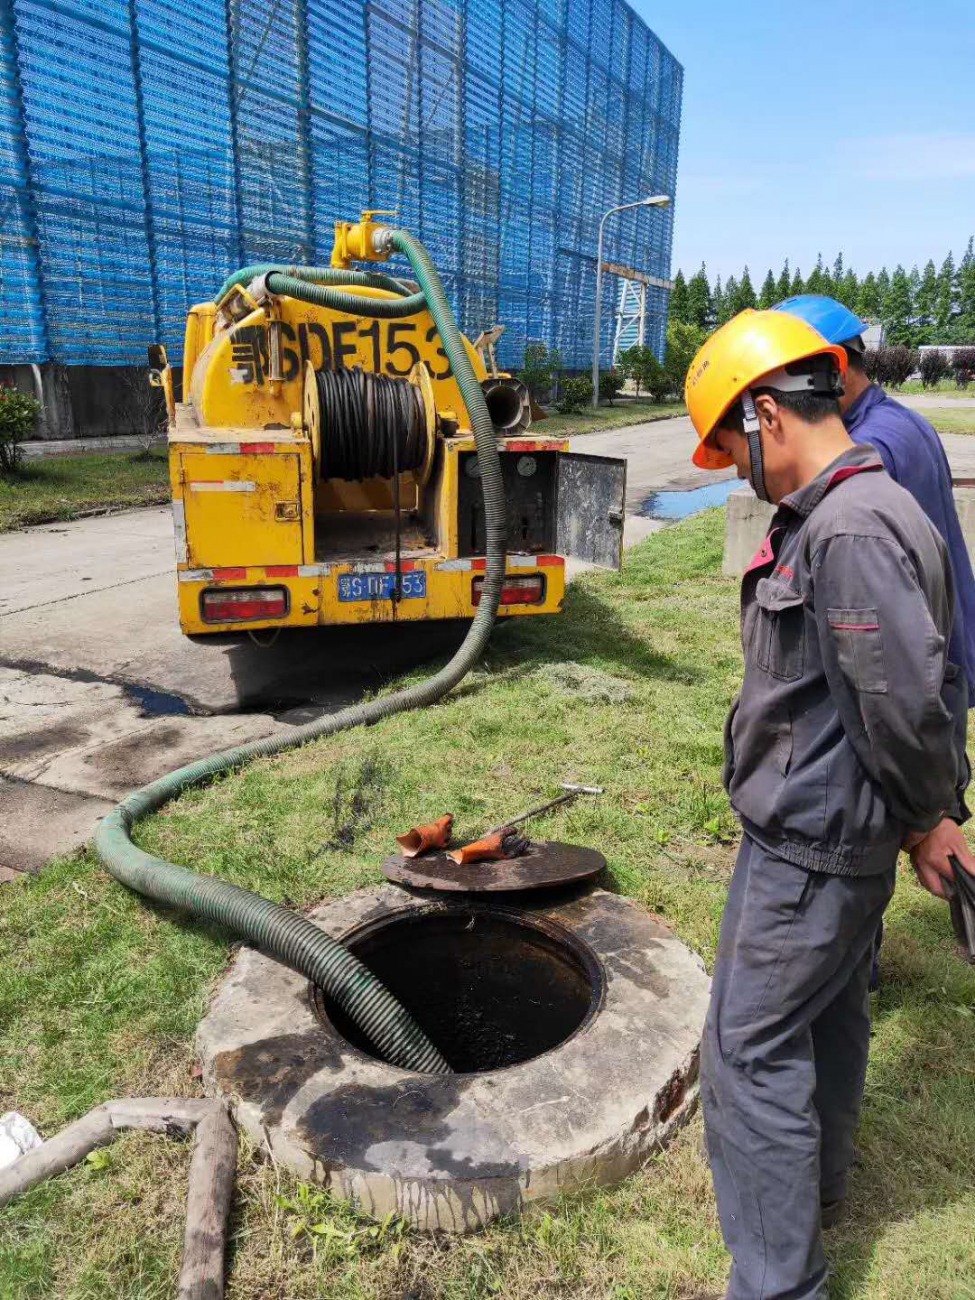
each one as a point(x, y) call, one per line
point(316, 598)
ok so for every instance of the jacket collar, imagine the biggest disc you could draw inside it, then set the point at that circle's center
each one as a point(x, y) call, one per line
point(861, 408)
point(857, 460)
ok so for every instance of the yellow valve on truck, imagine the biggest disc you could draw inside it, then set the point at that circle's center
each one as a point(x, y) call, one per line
point(323, 465)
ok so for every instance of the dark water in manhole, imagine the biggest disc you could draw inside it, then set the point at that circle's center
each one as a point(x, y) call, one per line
point(680, 505)
point(490, 986)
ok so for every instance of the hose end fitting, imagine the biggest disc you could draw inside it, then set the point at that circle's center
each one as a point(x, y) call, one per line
point(382, 240)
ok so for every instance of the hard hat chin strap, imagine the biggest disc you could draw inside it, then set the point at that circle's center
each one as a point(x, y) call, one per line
point(752, 427)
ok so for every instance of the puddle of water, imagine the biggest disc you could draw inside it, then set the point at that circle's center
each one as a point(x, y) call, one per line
point(680, 505)
point(157, 704)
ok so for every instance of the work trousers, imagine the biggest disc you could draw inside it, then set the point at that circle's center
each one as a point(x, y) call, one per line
point(783, 1063)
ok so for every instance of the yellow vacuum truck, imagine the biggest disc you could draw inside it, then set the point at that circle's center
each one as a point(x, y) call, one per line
point(323, 465)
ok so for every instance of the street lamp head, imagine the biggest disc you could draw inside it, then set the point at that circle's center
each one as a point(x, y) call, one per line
point(656, 201)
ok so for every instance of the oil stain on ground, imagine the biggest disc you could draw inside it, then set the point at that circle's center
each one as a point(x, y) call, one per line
point(359, 789)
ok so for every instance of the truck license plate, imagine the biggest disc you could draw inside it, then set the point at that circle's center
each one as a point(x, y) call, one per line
point(380, 586)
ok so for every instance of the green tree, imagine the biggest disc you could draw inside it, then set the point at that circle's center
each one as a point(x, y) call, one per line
point(945, 302)
point(927, 295)
point(640, 364)
point(818, 281)
point(700, 306)
point(798, 284)
point(963, 327)
point(769, 295)
point(683, 342)
point(679, 303)
point(728, 299)
point(898, 307)
point(848, 290)
point(883, 289)
point(838, 271)
point(914, 280)
point(611, 383)
point(868, 299)
point(746, 293)
point(783, 286)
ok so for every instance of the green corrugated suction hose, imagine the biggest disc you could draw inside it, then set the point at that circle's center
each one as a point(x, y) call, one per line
point(314, 275)
point(275, 930)
point(323, 295)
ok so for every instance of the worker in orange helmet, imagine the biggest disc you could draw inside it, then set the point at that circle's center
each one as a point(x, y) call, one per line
point(845, 744)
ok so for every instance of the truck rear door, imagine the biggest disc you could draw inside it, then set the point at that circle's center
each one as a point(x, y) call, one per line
point(242, 510)
point(590, 505)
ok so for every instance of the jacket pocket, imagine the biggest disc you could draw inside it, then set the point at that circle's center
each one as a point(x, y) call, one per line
point(780, 630)
point(859, 648)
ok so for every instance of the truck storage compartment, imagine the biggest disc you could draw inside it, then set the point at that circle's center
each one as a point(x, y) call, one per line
point(557, 503)
point(241, 510)
point(529, 490)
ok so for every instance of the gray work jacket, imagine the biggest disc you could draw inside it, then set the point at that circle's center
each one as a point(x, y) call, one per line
point(851, 722)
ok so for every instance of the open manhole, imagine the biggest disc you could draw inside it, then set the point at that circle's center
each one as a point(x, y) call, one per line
point(491, 987)
point(573, 1023)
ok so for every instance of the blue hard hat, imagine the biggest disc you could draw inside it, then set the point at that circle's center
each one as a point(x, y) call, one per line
point(836, 323)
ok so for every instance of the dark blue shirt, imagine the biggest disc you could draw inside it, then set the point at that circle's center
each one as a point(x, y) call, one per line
point(913, 456)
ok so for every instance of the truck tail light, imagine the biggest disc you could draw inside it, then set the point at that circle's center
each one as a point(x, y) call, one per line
point(244, 604)
point(516, 591)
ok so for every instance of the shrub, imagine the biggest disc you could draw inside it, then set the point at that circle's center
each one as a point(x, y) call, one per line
point(934, 366)
point(658, 381)
point(542, 365)
point(963, 366)
point(634, 363)
point(18, 416)
point(576, 394)
point(901, 364)
point(683, 342)
point(891, 366)
point(611, 384)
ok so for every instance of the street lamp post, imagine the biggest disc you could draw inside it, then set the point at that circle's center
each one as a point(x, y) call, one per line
point(654, 201)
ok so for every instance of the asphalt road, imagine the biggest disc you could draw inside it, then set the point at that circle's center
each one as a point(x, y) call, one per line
point(100, 692)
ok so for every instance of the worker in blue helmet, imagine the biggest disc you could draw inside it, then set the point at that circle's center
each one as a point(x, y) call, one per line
point(913, 456)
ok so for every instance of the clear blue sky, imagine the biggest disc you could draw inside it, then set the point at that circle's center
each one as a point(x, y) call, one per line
point(822, 127)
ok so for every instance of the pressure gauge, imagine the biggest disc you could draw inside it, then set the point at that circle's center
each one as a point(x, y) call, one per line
point(527, 465)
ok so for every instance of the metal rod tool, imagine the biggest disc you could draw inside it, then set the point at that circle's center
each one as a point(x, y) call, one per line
point(570, 792)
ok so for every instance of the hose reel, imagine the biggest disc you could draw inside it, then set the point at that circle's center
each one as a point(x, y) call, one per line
point(365, 425)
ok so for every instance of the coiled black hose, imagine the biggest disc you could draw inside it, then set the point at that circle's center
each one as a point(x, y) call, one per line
point(373, 426)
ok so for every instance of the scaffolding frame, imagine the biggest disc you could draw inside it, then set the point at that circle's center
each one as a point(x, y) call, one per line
point(136, 171)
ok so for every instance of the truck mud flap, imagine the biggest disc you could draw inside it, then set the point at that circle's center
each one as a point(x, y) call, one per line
point(590, 503)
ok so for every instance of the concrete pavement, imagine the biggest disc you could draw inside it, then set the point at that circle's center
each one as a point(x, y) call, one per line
point(100, 692)
point(925, 401)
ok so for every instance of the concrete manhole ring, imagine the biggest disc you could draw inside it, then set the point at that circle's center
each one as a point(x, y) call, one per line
point(452, 1152)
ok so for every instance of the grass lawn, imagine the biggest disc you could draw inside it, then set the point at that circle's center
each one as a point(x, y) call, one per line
point(64, 487)
point(624, 411)
point(947, 388)
point(946, 420)
point(100, 994)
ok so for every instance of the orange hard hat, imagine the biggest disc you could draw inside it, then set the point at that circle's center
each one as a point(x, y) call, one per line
point(751, 346)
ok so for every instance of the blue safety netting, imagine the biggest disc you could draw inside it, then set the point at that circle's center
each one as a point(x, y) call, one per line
point(148, 147)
